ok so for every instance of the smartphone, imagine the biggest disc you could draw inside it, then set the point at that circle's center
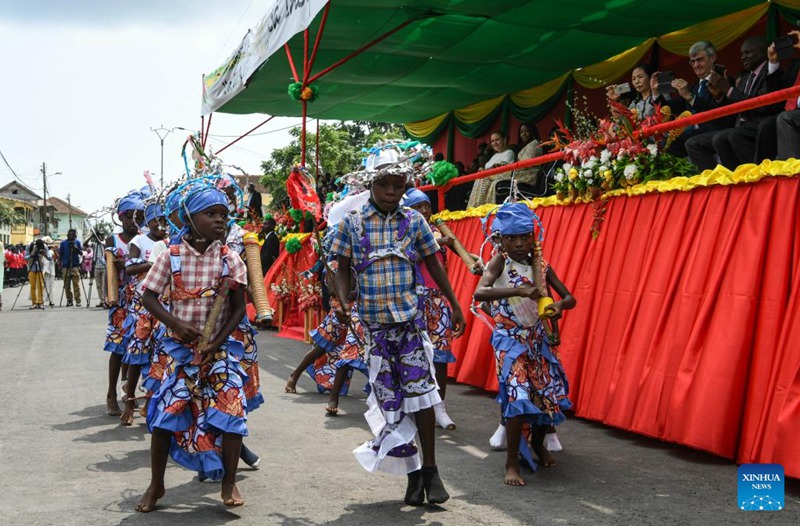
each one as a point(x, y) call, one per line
point(719, 69)
point(784, 46)
point(619, 89)
point(665, 79)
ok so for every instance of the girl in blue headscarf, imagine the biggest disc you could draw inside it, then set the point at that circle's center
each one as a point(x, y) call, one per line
point(198, 416)
point(533, 387)
point(139, 324)
point(129, 212)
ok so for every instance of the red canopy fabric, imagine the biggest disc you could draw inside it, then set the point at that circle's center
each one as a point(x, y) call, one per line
point(687, 327)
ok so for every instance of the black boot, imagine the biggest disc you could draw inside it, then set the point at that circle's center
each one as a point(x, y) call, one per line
point(415, 492)
point(434, 487)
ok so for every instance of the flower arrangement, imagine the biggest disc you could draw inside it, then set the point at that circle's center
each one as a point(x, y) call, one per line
point(283, 291)
point(310, 295)
point(297, 92)
point(288, 221)
point(615, 155)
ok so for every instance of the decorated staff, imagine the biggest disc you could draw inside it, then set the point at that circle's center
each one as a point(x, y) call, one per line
point(112, 279)
point(255, 274)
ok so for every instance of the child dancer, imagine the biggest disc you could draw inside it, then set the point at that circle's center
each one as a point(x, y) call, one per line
point(533, 386)
point(198, 415)
point(139, 324)
point(384, 242)
point(437, 311)
point(129, 211)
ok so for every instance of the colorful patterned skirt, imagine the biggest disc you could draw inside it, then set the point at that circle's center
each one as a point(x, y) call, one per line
point(439, 323)
point(532, 380)
point(331, 335)
point(199, 403)
point(160, 364)
point(116, 342)
point(403, 382)
point(138, 327)
point(246, 334)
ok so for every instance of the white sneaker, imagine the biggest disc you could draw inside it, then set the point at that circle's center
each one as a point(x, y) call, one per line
point(498, 440)
point(442, 420)
point(551, 442)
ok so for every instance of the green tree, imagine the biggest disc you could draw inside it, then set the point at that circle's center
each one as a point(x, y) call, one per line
point(9, 216)
point(340, 146)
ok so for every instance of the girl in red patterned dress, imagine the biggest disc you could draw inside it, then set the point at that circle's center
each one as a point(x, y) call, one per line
point(198, 416)
point(532, 385)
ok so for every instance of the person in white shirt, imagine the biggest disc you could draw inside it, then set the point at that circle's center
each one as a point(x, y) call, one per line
point(484, 190)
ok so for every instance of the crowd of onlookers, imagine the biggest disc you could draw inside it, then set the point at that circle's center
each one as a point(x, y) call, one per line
point(767, 132)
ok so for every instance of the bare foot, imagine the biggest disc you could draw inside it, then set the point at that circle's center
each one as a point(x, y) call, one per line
point(231, 497)
point(545, 458)
point(150, 498)
point(513, 477)
point(112, 406)
point(127, 414)
point(333, 408)
point(291, 385)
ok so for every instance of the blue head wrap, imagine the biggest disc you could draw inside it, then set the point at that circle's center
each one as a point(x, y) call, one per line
point(132, 201)
point(153, 211)
point(515, 218)
point(415, 197)
point(201, 197)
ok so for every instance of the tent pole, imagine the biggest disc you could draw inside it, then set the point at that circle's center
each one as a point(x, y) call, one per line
point(244, 135)
point(291, 62)
point(305, 54)
point(317, 41)
point(316, 151)
point(303, 135)
point(208, 128)
point(202, 127)
point(360, 50)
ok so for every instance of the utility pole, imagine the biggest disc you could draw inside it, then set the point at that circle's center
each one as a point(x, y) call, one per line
point(69, 202)
point(43, 214)
point(158, 132)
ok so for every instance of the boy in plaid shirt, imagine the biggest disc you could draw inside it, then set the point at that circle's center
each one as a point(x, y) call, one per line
point(383, 241)
point(198, 414)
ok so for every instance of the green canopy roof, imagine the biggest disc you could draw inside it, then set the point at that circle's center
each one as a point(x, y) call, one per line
point(458, 52)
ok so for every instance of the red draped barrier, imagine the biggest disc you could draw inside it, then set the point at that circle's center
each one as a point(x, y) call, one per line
point(687, 327)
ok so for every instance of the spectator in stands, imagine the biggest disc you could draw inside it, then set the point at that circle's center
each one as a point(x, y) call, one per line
point(484, 190)
point(640, 82)
point(779, 135)
point(528, 182)
point(272, 245)
point(736, 145)
point(701, 97)
point(460, 167)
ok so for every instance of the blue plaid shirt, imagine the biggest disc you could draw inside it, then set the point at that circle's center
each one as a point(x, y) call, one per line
point(386, 288)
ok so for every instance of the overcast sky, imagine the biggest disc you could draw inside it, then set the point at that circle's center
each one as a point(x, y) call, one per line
point(85, 80)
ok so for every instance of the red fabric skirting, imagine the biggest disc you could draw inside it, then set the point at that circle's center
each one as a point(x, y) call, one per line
point(687, 327)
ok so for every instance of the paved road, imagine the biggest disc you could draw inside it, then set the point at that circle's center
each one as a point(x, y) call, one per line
point(64, 461)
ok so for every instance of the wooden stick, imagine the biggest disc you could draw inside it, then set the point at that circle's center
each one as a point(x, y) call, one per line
point(460, 249)
point(213, 316)
point(550, 326)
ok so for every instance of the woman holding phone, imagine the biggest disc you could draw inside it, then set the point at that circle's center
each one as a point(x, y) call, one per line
point(640, 82)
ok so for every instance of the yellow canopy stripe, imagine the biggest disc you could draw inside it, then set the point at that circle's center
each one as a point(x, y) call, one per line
point(426, 127)
point(609, 70)
point(478, 111)
point(747, 173)
point(539, 94)
point(719, 31)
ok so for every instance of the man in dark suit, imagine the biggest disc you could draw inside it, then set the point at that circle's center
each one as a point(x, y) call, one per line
point(271, 247)
point(697, 98)
point(701, 148)
point(254, 204)
point(737, 145)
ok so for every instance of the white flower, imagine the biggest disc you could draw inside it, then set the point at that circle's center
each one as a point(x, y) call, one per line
point(591, 163)
point(629, 171)
point(560, 175)
point(587, 173)
point(653, 149)
point(566, 167)
point(605, 156)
